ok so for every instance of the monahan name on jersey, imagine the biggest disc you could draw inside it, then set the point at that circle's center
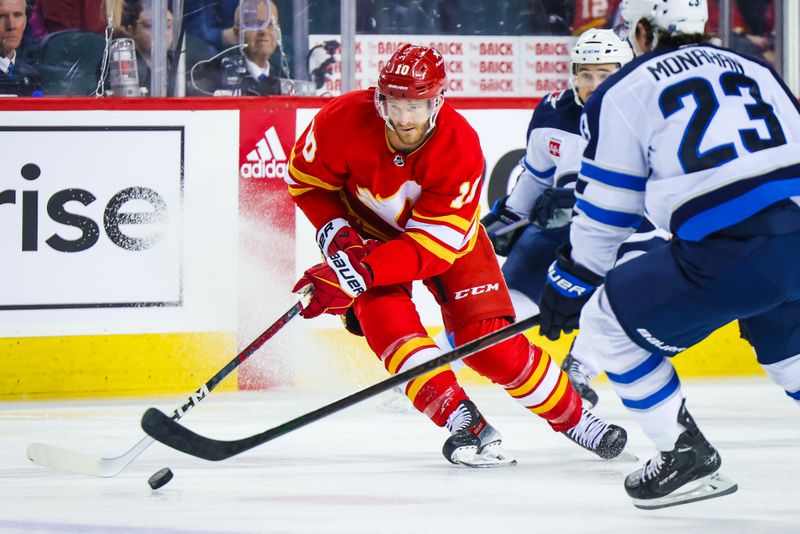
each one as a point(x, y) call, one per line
point(699, 137)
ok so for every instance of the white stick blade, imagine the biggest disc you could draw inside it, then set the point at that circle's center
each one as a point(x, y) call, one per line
point(65, 460)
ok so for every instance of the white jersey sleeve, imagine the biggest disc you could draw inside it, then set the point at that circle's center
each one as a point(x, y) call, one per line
point(699, 137)
point(553, 151)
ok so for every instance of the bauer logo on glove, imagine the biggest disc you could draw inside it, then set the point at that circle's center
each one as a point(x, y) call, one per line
point(566, 284)
point(350, 281)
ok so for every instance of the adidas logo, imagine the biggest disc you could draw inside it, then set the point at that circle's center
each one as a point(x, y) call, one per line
point(267, 159)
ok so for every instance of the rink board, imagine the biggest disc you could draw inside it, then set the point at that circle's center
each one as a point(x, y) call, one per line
point(108, 322)
point(118, 235)
point(112, 366)
point(723, 354)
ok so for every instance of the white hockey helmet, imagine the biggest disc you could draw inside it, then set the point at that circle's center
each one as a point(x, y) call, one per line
point(597, 47)
point(686, 16)
point(600, 47)
point(681, 16)
point(633, 11)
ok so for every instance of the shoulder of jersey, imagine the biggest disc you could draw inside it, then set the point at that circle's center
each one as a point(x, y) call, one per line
point(557, 110)
point(559, 99)
point(626, 70)
point(354, 102)
point(454, 122)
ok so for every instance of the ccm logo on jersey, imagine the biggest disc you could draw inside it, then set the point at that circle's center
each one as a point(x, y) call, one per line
point(477, 290)
point(351, 282)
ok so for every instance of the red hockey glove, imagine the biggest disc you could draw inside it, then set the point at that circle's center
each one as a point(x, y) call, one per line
point(337, 235)
point(336, 283)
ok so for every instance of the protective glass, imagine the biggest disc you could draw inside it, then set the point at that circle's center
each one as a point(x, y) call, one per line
point(590, 79)
point(407, 111)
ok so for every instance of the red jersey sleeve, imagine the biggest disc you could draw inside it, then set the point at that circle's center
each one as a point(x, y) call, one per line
point(314, 179)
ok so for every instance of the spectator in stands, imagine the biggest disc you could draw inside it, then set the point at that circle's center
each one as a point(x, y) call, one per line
point(212, 21)
point(512, 17)
point(16, 76)
point(244, 71)
point(50, 16)
point(137, 23)
point(752, 23)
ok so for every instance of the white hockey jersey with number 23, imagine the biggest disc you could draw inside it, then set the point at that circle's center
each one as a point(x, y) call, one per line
point(700, 137)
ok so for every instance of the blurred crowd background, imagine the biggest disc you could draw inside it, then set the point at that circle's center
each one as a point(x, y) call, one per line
point(88, 47)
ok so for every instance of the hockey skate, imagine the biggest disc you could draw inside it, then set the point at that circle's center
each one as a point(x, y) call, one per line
point(474, 442)
point(595, 435)
point(687, 473)
point(579, 376)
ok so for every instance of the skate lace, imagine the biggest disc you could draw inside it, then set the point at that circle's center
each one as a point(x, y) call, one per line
point(652, 467)
point(460, 418)
point(588, 431)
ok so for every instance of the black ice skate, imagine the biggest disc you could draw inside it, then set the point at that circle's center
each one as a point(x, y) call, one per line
point(579, 376)
point(474, 442)
point(687, 473)
point(593, 434)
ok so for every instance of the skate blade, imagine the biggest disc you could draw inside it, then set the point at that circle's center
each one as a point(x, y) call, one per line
point(708, 487)
point(624, 456)
point(489, 457)
point(482, 461)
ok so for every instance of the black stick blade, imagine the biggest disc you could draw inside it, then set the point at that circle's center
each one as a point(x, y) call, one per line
point(163, 428)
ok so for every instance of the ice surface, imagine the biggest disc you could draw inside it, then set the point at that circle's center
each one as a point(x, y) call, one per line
point(367, 470)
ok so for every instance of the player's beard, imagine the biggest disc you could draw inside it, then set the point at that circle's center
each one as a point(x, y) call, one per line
point(409, 137)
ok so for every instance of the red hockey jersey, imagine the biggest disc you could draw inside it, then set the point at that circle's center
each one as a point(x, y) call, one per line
point(424, 205)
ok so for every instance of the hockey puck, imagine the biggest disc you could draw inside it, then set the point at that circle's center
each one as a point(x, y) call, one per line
point(160, 478)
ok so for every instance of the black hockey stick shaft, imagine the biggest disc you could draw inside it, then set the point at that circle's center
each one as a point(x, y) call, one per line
point(159, 426)
point(240, 358)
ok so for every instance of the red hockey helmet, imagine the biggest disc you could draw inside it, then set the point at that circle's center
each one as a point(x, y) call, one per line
point(413, 72)
point(414, 75)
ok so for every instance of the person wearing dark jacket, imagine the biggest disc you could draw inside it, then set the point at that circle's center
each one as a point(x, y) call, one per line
point(243, 70)
point(17, 77)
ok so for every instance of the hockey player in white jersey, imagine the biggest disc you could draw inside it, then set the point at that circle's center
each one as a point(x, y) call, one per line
point(707, 142)
point(545, 192)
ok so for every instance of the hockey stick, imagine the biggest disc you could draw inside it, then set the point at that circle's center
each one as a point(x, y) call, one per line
point(169, 432)
point(84, 464)
point(510, 228)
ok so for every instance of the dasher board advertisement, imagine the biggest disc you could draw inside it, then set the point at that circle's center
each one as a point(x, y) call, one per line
point(82, 230)
point(476, 65)
point(118, 221)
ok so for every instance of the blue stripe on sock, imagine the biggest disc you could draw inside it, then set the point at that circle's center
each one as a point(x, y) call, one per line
point(644, 368)
point(654, 399)
point(795, 395)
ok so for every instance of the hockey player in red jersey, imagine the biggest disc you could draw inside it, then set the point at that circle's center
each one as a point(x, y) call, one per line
point(400, 168)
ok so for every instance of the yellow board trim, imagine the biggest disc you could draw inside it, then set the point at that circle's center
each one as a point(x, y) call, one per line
point(113, 365)
point(350, 362)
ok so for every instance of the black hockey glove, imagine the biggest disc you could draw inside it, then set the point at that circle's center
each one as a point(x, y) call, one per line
point(553, 208)
point(568, 288)
point(497, 223)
